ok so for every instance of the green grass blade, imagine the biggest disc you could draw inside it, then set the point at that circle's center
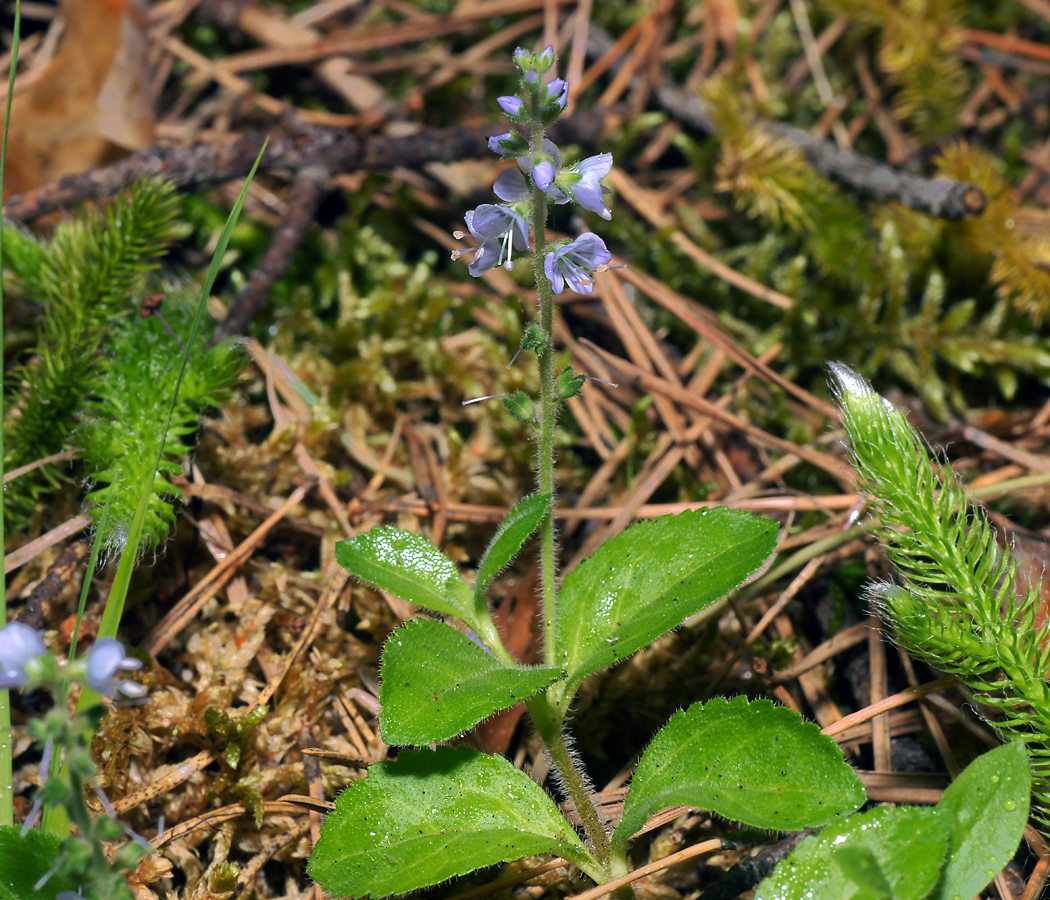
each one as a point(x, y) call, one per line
point(118, 592)
point(6, 770)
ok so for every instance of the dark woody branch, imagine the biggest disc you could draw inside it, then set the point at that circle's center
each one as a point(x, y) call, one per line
point(938, 197)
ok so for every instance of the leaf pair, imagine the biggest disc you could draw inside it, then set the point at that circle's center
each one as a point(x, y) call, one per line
point(436, 681)
point(950, 851)
point(638, 586)
point(434, 814)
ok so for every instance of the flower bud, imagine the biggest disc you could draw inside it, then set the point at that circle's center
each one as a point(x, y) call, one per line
point(569, 384)
point(510, 143)
point(512, 107)
point(519, 405)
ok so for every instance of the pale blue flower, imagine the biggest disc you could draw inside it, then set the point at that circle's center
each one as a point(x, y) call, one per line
point(573, 263)
point(104, 660)
point(20, 645)
point(583, 182)
point(511, 186)
point(499, 230)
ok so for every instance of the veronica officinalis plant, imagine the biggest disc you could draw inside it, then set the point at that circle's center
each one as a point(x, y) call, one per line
point(435, 813)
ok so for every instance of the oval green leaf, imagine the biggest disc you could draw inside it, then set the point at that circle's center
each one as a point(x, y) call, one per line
point(753, 762)
point(434, 814)
point(513, 531)
point(438, 683)
point(410, 567)
point(986, 809)
point(649, 579)
point(888, 853)
point(24, 860)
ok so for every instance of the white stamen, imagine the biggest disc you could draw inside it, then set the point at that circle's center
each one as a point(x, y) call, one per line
point(486, 397)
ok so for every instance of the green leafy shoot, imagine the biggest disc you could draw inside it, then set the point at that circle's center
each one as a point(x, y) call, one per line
point(129, 414)
point(886, 853)
point(86, 280)
point(951, 851)
point(957, 603)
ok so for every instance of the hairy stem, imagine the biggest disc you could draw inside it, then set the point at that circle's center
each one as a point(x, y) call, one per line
point(549, 725)
point(548, 414)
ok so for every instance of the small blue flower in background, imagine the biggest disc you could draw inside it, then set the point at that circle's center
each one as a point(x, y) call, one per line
point(104, 660)
point(20, 645)
point(573, 263)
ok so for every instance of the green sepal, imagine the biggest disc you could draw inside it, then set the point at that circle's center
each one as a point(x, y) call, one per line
point(434, 814)
point(883, 854)
point(753, 762)
point(649, 579)
point(568, 384)
point(986, 809)
point(26, 860)
point(437, 683)
point(410, 567)
point(516, 528)
point(519, 404)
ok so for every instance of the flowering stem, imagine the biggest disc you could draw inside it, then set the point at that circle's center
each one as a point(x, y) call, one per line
point(548, 414)
point(548, 719)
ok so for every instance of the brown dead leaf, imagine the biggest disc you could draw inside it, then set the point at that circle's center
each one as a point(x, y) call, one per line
point(91, 103)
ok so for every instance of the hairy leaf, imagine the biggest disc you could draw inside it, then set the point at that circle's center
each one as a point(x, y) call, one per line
point(25, 860)
point(651, 577)
point(754, 762)
point(986, 809)
point(888, 853)
point(513, 531)
point(438, 683)
point(410, 567)
point(434, 814)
